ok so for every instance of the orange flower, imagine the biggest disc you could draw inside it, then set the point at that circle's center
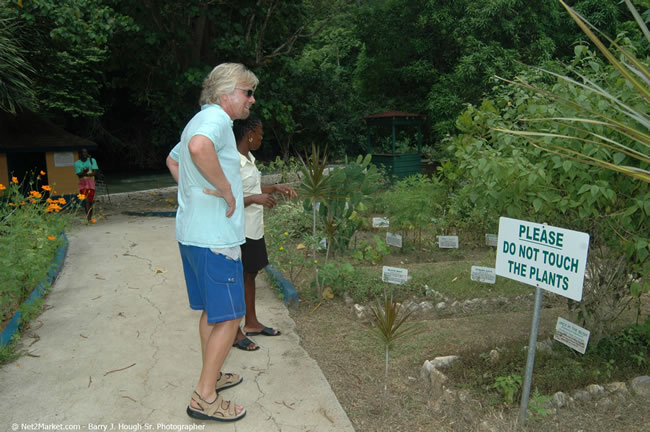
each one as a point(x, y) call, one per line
point(53, 207)
point(81, 196)
point(62, 200)
point(35, 194)
point(42, 172)
point(46, 188)
point(12, 204)
point(14, 180)
point(93, 220)
point(51, 238)
point(2, 187)
point(22, 203)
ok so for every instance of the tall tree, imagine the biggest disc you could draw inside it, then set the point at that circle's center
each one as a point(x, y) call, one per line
point(16, 74)
point(447, 52)
point(68, 47)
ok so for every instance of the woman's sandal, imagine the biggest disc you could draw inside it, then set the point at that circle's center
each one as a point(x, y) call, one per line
point(219, 410)
point(227, 380)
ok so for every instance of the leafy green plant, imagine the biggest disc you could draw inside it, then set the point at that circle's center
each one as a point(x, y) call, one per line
point(503, 176)
point(634, 124)
point(334, 195)
point(336, 276)
point(288, 240)
point(355, 181)
point(602, 121)
point(509, 386)
point(608, 369)
point(31, 227)
point(538, 404)
point(369, 253)
point(391, 326)
point(414, 203)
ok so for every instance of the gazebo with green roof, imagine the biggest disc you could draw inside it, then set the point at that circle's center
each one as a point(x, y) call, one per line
point(398, 165)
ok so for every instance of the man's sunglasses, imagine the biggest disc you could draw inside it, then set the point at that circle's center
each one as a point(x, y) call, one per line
point(249, 92)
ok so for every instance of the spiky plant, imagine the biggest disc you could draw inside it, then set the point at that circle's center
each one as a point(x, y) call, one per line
point(390, 320)
point(316, 187)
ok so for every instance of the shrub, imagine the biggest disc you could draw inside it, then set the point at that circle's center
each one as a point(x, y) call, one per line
point(30, 232)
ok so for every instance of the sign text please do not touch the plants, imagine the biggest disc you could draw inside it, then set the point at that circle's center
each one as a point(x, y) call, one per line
point(551, 258)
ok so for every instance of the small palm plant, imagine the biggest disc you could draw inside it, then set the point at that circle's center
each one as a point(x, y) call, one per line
point(316, 187)
point(391, 325)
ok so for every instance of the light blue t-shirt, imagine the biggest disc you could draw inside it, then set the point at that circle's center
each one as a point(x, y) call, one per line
point(89, 163)
point(201, 218)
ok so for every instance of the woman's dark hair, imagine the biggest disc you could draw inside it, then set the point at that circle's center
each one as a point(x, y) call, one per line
point(240, 127)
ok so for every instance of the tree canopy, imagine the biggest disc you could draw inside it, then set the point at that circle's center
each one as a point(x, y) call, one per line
point(127, 74)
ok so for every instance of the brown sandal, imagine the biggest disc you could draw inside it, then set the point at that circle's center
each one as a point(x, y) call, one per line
point(219, 410)
point(227, 380)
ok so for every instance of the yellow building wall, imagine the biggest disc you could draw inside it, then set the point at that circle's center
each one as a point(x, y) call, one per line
point(62, 179)
point(4, 169)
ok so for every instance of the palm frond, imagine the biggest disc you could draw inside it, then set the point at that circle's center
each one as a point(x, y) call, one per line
point(587, 29)
point(390, 321)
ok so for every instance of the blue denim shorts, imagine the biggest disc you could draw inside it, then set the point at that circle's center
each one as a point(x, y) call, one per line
point(215, 283)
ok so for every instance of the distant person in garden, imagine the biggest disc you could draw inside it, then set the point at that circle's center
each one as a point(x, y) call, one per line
point(210, 230)
point(86, 169)
point(248, 135)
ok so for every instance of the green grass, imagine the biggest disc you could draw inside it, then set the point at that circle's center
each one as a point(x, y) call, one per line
point(31, 227)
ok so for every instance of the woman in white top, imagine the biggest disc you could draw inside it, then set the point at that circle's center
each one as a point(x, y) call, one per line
point(248, 135)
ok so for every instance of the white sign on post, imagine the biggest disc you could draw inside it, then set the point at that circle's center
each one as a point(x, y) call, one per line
point(491, 240)
point(378, 222)
point(448, 242)
point(394, 239)
point(551, 258)
point(571, 335)
point(484, 274)
point(63, 159)
point(395, 275)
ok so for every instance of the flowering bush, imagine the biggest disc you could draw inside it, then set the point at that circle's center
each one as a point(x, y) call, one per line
point(31, 230)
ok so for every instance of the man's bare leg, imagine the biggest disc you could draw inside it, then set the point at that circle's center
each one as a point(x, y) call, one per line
point(215, 346)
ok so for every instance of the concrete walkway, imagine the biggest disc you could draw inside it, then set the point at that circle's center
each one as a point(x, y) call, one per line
point(118, 347)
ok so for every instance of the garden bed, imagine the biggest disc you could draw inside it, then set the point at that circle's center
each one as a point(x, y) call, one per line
point(456, 316)
point(353, 360)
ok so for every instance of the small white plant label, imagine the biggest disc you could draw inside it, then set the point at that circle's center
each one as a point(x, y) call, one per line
point(484, 274)
point(316, 206)
point(571, 335)
point(378, 222)
point(394, 275)
point(322, 244)
point(448, 242)
point(394, 239)
point(491, 240)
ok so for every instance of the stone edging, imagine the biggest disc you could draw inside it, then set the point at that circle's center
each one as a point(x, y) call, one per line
point(12, 327)
point(441, 391)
